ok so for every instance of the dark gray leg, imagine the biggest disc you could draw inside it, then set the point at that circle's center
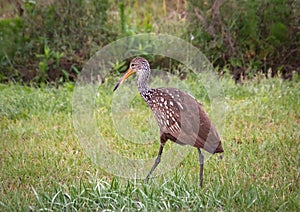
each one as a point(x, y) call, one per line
point(201, 162)
point(156, 161)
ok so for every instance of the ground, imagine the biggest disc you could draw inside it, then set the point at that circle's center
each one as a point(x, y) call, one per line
point(43, 166)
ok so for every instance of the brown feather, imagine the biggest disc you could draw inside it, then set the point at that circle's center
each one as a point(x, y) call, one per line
point(182, 119)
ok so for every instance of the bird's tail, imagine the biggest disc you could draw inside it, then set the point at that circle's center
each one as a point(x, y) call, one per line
point(219, 149)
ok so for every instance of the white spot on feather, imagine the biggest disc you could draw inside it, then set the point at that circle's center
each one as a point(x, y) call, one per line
point(177, 126)
point(180, 105)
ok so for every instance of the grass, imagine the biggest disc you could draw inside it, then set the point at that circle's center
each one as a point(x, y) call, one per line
point(43, 166)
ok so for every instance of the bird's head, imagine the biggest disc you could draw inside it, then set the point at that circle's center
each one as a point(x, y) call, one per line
point(138, 65)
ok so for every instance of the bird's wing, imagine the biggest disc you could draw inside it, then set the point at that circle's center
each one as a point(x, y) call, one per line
point(166, 110)
point(182, 118)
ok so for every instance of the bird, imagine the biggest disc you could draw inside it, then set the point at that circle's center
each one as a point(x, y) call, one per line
point(180, 117)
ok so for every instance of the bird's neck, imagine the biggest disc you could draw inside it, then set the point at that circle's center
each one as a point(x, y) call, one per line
point(142, 82)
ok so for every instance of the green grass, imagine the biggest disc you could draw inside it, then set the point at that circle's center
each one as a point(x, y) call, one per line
point(43, 166)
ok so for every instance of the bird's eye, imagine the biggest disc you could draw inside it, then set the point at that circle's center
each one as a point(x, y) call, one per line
point(132, 65)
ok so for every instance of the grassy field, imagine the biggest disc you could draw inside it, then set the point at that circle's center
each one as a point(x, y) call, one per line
point(43, 166)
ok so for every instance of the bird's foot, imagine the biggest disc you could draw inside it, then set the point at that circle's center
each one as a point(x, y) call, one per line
point(146, 180)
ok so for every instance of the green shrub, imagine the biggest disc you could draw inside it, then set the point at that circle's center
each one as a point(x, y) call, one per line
point(10, 41)
point(249, 36)
point(75, 27)
point(245, 36)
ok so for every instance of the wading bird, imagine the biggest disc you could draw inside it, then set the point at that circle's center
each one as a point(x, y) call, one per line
point(180, 116)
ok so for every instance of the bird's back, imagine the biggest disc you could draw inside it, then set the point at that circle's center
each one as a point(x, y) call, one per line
point(182, 119)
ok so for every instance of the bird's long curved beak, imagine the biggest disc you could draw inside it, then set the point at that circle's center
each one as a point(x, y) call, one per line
point(128, 73)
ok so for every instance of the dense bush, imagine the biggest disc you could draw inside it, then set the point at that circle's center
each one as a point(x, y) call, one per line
point(10, 40)
point(51, 42)
point(248, 36)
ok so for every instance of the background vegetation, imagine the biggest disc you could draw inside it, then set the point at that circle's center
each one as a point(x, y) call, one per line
point(249, 36)
point(50, 41)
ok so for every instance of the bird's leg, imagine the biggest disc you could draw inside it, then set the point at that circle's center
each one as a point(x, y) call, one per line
point(156, 161)
point(201, 162)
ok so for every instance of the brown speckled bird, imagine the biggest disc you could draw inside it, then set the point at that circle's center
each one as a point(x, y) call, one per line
point(180, 116)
